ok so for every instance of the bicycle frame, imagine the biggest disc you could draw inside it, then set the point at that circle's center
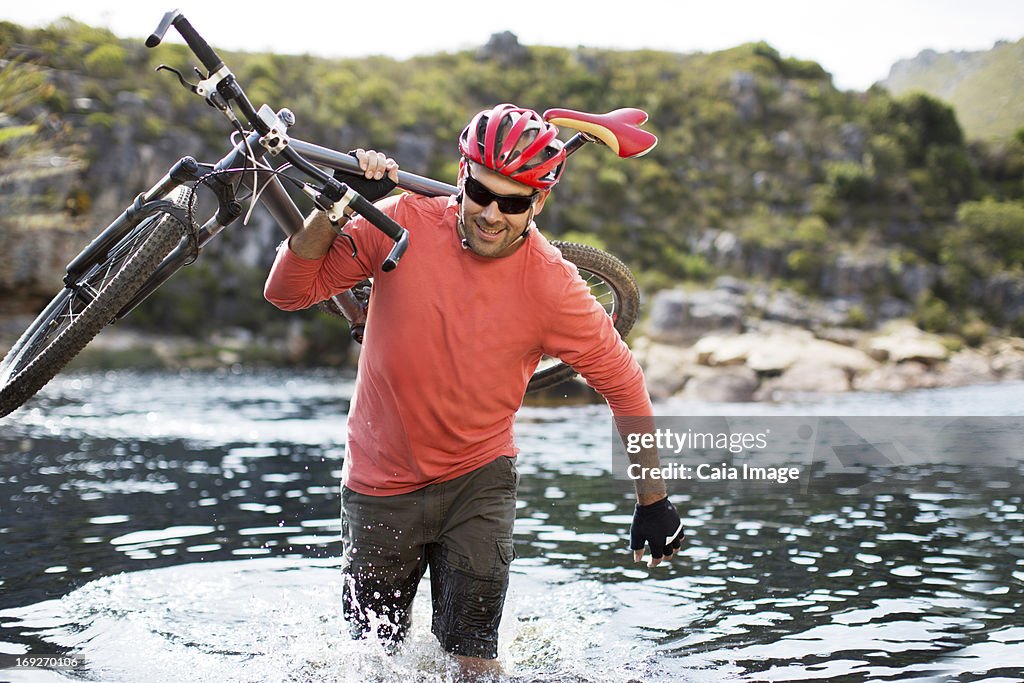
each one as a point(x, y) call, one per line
point(272, 195)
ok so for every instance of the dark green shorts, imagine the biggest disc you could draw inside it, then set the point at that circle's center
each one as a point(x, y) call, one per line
point(461, 529)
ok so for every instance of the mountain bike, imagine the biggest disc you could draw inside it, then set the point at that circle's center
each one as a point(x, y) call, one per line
point(158, 234)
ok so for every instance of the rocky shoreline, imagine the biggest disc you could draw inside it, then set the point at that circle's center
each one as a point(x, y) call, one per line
point(710, 345)
point(694, 346)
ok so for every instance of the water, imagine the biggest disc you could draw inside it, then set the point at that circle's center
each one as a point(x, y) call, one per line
point(189, 523)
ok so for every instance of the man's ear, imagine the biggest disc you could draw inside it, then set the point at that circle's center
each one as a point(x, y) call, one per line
point(538, 206)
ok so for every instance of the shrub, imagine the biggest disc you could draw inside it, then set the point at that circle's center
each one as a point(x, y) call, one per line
point(106, 61)
point(999, 226)
point(933, 314)
point(974, 331)
point(850, 181)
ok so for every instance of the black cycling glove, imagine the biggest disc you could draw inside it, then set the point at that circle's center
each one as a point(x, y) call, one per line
point(371, 190)
point(657, 525)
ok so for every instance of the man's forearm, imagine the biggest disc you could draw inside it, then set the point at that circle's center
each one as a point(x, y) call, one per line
point(648, 489)
point(631, 430)
point(315, 239)
point(296, 278)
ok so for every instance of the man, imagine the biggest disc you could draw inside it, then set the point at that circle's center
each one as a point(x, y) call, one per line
point(452, 338)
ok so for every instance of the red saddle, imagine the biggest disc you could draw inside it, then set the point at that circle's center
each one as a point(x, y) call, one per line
point(619, 129)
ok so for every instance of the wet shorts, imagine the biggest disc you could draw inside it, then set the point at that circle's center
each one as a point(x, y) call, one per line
point(461, 529)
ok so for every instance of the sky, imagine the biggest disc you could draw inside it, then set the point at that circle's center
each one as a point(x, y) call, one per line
point(856, 42)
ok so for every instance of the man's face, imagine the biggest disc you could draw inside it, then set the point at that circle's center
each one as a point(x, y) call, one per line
point(488, 230)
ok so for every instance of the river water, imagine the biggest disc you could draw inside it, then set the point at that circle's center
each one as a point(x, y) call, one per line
point(168, 527)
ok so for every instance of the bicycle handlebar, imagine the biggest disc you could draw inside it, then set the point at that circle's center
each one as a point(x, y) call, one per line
point(418, 184)
point(218, 71)
point(196, 42)
point(388, 226)
point(220, 87)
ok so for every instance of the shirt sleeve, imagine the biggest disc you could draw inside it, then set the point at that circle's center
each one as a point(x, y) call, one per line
point(581, 333)
point(295, 283)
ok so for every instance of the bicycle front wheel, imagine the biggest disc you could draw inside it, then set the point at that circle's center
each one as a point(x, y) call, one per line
point(83, 308)
point(612, 285)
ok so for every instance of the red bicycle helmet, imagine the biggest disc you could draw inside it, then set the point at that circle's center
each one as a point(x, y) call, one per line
point(517, 143)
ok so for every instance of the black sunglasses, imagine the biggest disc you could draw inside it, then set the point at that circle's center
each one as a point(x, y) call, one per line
point(507, 203)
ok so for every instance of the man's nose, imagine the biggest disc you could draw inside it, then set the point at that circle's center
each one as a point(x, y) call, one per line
point(491, 212)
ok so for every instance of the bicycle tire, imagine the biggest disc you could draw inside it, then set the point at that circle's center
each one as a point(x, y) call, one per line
point(61, 331)
point(615, 288)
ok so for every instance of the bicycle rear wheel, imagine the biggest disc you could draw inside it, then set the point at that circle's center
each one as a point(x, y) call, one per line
point(82, 309)
point(612, 285)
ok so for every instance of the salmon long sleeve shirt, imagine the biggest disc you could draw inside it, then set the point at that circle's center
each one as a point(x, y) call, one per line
point(451, 341)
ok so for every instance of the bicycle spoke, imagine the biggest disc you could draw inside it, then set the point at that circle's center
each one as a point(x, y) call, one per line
point(601, 291)
point(84, 292)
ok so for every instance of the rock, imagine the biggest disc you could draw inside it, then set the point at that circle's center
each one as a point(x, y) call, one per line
point(805, 377)
point(733, 285)
point(775, 352)
point(746, 96)
point(720, 248)
point(717, 350)
point(969, 366)
point(731, 385)
point(853, 139)
point(1007, 358)
point(785, 307)
point(504, 48)
point(1004, 292)
point(855, 274)
point(905, 342)
point(845, 336)
point(666, 368)
point(787, 144)
point(915, 280)
point(680, 317)
point(891, 308)
point(840, 310)
point(901, 377)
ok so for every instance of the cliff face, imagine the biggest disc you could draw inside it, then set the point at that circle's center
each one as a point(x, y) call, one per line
point(852, 202)
point(67, 171)
point(985, 87)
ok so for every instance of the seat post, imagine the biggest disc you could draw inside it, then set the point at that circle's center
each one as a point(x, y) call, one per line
point(577, 141)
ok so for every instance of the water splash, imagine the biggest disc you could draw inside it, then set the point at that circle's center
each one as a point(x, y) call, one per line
point(278, 619)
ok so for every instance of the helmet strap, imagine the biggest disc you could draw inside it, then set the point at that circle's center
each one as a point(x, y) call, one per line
point(460, 226)
point(460, 223)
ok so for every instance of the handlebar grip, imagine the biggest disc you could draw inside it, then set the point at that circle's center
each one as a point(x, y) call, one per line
point(388, 226)
point(161, 30)
point(196, 42)
point(199, 46)
point(396, 253)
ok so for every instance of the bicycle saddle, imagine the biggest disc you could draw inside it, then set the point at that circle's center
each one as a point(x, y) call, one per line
point(619, 129)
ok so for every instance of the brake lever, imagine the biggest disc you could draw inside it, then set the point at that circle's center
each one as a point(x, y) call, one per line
point(207, 90)
point(181, 77)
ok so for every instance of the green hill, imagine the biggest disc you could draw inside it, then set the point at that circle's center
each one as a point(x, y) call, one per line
point(764, 169)
point(986, 88)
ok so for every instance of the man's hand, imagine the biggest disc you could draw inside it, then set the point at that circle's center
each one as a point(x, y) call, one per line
point(380, 174)
point(658, 526)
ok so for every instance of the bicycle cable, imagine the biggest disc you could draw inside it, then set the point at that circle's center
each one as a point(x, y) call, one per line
point(254, 195)
point(193, 226)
